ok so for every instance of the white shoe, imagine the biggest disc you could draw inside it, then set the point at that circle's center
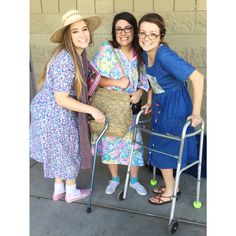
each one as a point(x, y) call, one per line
point(111, 187)
point(139, 188)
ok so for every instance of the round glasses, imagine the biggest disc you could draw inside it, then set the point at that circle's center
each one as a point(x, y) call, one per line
point(127, 29)
point(151, 36)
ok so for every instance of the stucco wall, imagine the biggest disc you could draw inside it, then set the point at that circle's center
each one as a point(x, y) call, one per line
point(185, 20)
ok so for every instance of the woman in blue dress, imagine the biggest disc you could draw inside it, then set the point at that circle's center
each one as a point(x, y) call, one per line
point(171, 102)
point(59, 132)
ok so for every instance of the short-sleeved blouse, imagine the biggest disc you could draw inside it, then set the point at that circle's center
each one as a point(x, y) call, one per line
point(107, 65)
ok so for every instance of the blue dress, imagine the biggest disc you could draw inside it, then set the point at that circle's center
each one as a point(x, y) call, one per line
point(171, 108)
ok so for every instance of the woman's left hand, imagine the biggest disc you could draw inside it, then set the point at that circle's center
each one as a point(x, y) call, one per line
point(196, 119)
point(135, 97)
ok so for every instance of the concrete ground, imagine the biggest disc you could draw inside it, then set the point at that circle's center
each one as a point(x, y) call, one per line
point(109, 216)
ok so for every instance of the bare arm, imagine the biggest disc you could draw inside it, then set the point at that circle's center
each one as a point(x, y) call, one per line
point(197, 80)
point(149, 101)
point(63, 99)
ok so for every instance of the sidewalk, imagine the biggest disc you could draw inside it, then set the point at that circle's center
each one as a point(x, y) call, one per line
point(110, 217)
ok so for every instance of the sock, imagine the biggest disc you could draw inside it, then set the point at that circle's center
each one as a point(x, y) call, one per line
point(59, 188)
point(117, 179)
point(133, 180)
point(72, 190)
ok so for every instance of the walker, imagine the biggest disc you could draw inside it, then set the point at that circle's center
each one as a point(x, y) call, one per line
point(173, 223)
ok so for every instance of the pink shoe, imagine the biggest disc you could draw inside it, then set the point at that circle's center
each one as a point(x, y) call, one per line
point(57, 197)
point(72, 198)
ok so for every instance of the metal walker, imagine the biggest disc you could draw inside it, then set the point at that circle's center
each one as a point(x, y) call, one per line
point(173, 224)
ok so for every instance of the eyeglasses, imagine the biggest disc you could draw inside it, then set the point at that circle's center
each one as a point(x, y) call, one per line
point(151, 36)
point(127, 29)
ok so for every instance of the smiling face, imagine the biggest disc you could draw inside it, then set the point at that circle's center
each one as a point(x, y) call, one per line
point(149, 36)
point(80, 35)
point(124, 33)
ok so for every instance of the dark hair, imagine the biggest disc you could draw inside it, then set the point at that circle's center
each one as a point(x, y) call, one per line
point(132, 21)
point(155, 19)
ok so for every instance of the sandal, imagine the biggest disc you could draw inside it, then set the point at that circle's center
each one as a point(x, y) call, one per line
point(158, 199)
point(161, 189)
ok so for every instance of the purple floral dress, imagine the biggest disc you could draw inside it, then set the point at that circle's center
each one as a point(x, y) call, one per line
point(112, 149)
point(54, 130)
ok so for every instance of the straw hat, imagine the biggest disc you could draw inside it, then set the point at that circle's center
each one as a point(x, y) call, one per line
point(71, 17)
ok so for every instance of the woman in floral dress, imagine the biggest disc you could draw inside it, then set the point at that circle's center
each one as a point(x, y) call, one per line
point(124, 47)
point(59, 133)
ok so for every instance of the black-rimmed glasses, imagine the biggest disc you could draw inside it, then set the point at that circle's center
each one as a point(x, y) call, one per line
point(151, 36)
point(127, 29)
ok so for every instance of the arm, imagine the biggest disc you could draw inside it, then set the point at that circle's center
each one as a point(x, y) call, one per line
point(197, 80)
point(63, 100)
point(149, 101)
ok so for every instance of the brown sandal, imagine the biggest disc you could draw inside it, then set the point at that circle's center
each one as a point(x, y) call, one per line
point(158, 199)
point(161, 189)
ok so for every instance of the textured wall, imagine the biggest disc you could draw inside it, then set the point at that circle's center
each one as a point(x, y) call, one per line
point(185, 19)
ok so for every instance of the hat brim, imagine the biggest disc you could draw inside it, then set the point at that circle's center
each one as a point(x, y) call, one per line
point(92, 21)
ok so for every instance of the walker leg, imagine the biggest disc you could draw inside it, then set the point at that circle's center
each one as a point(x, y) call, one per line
point(174, 197)
point(177, 177)
point(130, 163)
point(91, 186)
point(94, 166)
point(197, 204)
point(153, 181)
point(92, 180)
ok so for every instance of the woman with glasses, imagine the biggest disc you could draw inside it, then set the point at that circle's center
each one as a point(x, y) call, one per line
point(123, 50)
point(172, 106)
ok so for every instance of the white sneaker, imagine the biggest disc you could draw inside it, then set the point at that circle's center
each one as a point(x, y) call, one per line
point(111, 187)
point(139, 188)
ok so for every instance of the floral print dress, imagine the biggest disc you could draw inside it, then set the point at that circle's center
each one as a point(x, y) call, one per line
point(115, 150)
point(54, 130)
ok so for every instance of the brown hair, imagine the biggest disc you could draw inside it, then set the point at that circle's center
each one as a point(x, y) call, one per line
point(155, 19)
point(67, 44)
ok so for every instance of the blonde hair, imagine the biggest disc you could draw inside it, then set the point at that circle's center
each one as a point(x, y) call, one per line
point(66, 44)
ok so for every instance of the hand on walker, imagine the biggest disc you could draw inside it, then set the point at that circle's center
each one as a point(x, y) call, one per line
point(147, 107)
point(123, 83)
point(135, 97)
point(196, 120)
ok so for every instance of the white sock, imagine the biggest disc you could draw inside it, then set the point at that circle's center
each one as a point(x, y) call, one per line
point(59, 188)
point(72, 190)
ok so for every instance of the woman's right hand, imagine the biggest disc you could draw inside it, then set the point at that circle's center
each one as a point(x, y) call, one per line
point(147, 107)
point(98, 115)
point(123, 83)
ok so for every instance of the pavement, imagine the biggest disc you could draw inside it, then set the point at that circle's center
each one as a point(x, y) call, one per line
point(110, 216)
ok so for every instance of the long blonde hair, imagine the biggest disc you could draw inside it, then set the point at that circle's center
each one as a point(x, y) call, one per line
point(68, 45)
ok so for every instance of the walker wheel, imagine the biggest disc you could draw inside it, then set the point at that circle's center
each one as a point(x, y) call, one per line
point(89, 210)
point(153, 182)
point(120, 196)
point(197, 204)
point(173, 226)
